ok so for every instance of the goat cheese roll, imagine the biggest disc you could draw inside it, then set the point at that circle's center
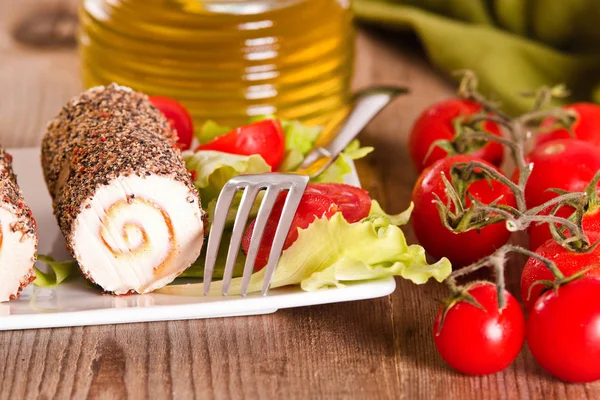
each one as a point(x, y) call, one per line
point(122, 196)
point(18, 234)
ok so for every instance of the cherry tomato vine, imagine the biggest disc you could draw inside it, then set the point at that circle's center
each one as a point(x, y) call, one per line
point(460, 212)
point(478, 215)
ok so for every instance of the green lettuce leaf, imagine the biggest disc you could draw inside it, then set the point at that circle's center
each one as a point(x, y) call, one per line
point(233, 209)
point(354, 151)
point(336, 172)
point(381, 218)
point(210, 130)
point(58, 273)
point(214, 168)
point(299, 141)
point(291, 161)
point(196, 270)
point(300, 137)
point(330, 253)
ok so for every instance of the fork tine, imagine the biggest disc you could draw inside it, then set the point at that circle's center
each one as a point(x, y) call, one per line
point(239, 225)
point(292, 201)
point(216, 231)
point(259, 227)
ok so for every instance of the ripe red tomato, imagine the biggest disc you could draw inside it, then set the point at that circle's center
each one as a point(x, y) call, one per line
point(567, 262)
point(435, 123)
point(179, 118)
point(320, 200)
point(478, 342)
point(460, 248)
point(563, 331)
point(566, 164)
point(353, 202)
point(265, 138)
point(586, 126)
point(591, 221)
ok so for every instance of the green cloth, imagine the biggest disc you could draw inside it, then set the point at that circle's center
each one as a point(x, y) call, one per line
point(512, 45)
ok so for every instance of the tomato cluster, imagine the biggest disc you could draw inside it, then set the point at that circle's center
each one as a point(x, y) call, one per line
point(473, 334)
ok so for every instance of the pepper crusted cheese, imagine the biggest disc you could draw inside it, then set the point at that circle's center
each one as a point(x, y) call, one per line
point(18, 234)
point(121, 193)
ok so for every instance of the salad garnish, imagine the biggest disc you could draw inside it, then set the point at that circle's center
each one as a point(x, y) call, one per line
point(339, 236)
point(333, 252)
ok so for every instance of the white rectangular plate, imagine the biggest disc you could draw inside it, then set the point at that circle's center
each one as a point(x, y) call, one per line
point(76, 304)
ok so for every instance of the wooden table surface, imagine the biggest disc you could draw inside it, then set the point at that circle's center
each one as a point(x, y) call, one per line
point(367, 349)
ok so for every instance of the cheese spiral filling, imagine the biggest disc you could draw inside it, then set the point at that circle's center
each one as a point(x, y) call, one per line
point(132, 241)
point(17, 252)
point(132, 236)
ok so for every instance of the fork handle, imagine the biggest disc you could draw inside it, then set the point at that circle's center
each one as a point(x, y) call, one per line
point(367, 104)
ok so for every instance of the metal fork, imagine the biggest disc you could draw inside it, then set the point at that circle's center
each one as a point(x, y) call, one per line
point(367, 104)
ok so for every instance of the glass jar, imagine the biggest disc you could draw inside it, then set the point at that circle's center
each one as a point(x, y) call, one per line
point(225, 60)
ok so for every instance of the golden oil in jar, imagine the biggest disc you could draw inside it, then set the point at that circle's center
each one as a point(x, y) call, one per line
point(225, 60)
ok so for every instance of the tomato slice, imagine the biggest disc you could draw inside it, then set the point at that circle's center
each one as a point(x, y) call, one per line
point(179, 119)
point(311, 206)
point(320, 200)
point(353, 202)
point(265, 138)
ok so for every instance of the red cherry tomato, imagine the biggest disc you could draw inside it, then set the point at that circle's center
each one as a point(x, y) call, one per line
point(435, 123)
point(265, 138)
point(566, 164)
point(460, 248)
point(563, 331)
point(480, 342)
point(586, 126)
point(320, 200)
point(591, 221)
point(353, 202)
point(179, 118)
point(566, 261)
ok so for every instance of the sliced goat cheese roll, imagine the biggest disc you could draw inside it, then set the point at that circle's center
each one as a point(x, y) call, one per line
point(18, 234)
point(122, 196)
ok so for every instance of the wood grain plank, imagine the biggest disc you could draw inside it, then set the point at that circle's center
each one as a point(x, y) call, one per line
point(35, 82)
